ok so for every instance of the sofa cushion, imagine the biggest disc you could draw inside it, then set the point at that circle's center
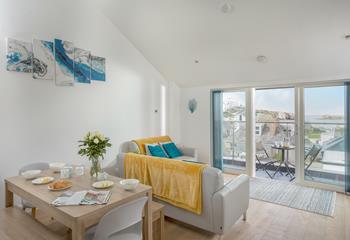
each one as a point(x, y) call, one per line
point(171, 150)
point(133, 147)
point(147, 148)
point(156, 151)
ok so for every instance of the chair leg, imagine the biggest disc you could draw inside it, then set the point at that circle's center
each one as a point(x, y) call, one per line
point(245, 216)
point(33, 212)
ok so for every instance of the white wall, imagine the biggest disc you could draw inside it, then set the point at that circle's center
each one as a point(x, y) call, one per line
point(195, 127)
point(42, 122)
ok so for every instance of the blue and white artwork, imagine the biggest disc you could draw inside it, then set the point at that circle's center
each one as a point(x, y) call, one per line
point(43, 60)
point(82, 66)
point(64, 56)
point(19, 56)
point(98, 68)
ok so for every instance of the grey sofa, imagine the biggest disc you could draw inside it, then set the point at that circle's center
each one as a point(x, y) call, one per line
point(222, 203)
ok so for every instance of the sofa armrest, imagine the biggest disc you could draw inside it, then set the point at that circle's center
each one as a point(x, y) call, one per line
point(230, 203)
point(111, 168)
point(187, 151)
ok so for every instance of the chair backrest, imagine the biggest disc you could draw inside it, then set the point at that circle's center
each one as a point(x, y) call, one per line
point(262, 154)
point(123, 222)
point(34, 166)
point(312, 154)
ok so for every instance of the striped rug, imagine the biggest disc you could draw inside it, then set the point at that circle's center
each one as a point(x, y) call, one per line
point(292, 195)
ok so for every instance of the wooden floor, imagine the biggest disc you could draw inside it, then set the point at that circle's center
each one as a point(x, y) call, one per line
point(267, 221)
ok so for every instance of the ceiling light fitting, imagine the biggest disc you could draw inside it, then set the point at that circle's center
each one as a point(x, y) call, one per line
point(261, 59)
point(226, 7)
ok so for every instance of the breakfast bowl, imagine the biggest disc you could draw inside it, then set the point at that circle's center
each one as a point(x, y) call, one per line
point(57, 166)
point(31, 174)
point(129, 184)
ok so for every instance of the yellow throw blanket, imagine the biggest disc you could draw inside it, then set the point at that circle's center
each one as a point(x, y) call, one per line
point(173, 181)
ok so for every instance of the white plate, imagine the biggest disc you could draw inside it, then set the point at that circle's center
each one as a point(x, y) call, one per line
point(43, 180)
point(57, 166)
point(129, 184)
point(31, 174)
point(103, 184)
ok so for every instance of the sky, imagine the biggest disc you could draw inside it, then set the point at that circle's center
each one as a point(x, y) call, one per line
point(318, 101)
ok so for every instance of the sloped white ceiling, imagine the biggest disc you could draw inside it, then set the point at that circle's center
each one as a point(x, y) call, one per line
point(303, 39)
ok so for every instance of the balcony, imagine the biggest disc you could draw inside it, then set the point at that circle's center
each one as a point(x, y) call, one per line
point(327, 167)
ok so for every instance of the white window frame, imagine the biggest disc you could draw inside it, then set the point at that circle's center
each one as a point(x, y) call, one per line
point(299, 126)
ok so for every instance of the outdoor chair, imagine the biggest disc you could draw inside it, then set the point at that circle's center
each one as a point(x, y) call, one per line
point(264, 160)
point(310, 157)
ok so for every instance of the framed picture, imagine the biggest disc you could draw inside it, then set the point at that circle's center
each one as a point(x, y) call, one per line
point(43, 60)
point(82, 66)
point(19, 56)
point(98, 68)
point(64, 56)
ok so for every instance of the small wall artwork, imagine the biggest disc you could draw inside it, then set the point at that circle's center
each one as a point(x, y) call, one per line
point(64, 56)
point(98, 68)
point(192, 105)
point(43, 60)
point(82, 66)
point(19, 56)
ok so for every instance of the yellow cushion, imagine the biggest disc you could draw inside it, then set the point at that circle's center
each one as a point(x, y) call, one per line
point(141, 142)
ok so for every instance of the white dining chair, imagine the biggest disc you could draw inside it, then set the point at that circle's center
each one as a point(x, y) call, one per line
point(121, 223)
point(33, 166)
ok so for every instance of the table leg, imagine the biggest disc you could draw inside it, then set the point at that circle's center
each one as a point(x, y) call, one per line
point(148, 217)
point(8, 197)
point(78, 231)
point(162, 225)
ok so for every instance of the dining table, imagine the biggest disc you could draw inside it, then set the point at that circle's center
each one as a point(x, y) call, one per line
point(77, 218)
point(284, 160)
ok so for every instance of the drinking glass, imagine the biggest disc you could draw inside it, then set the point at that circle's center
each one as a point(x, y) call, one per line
point(79, 170)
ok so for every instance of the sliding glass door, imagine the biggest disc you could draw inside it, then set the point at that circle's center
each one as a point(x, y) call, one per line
point(234, 130)
point(316, 156)
point(274, 130)
point(324, 134)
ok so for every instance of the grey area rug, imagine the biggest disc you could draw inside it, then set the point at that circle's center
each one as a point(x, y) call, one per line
point(292, 195)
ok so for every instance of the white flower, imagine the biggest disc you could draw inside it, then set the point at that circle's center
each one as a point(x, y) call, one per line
point(96, 141)
point(91, 136)
point(101, 137)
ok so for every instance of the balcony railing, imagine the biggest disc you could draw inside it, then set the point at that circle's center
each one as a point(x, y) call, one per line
point(327, 167)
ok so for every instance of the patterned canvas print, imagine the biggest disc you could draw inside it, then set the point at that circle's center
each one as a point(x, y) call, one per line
point(64, 56)
point(98, 68)
point(43, 60)
point(19, 56)
point(82, 66)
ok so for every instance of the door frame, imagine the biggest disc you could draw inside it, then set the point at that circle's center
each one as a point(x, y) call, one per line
point(299, 123)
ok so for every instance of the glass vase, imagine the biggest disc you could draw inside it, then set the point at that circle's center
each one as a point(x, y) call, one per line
point(95, 168)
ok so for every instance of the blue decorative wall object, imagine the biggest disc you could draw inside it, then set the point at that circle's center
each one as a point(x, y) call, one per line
point(98, 68)
point(82, 66)
point(43, 60)
point(192, 105)
point(58, 60)
point(19, 56)
point(64, 56)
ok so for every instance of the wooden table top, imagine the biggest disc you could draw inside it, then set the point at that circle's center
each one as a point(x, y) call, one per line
point(118, 194)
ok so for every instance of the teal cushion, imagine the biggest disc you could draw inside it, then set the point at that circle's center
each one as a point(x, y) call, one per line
point(172, 150)
point(156, 151)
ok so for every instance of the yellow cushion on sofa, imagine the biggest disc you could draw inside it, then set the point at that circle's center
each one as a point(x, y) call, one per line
point(141, 142)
